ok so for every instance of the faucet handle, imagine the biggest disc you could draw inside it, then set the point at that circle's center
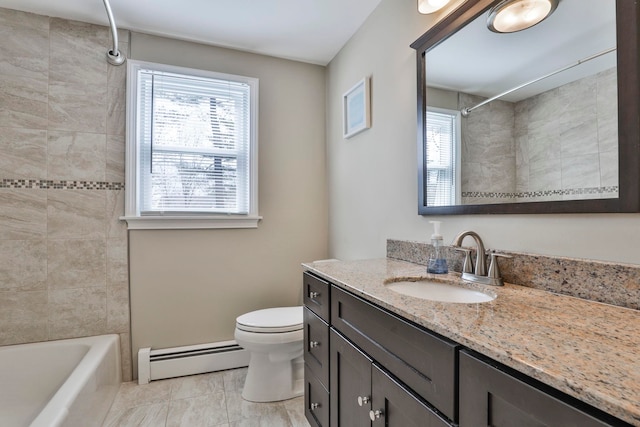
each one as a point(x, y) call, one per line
point(467, 266)
point(494, 271)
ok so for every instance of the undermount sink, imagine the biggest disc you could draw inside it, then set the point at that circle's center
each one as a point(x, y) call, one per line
point(441, 291)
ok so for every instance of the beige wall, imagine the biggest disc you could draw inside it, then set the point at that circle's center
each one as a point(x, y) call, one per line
point(372, 176)
point(63, 272)
point(187, 287)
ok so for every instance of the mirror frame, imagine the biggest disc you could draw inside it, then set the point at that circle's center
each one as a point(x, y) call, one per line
point(628, 43)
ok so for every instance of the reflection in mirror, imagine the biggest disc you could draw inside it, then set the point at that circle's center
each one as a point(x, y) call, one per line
point(528, 116)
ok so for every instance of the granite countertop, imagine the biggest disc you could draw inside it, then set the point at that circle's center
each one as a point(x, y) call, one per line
point(586, 349)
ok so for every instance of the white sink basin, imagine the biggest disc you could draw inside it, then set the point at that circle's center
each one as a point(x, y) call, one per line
point(440, 291)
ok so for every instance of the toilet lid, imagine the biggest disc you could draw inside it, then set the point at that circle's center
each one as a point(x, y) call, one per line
point(280, 319)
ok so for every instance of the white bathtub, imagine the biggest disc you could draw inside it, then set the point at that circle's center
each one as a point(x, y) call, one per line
point(59, 383)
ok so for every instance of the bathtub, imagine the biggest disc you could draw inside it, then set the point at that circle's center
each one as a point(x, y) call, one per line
point(59, 383)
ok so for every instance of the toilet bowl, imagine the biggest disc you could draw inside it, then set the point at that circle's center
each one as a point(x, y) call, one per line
point(273, 337)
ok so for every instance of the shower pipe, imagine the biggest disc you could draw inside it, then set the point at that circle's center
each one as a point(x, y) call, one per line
point(114, 57)
point(465, 111)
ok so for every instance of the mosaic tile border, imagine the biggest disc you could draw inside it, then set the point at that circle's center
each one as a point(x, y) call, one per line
point(606, 282)
point(543, 193)
point(47, 184)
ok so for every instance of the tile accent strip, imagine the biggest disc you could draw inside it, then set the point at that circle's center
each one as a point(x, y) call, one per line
point(60, 185)
point(607, 282)
point(612, 190)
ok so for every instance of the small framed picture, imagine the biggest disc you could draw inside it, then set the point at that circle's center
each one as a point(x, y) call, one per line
point(356, 113)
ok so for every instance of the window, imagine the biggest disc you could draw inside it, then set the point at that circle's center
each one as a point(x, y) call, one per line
point(442, 177)
point(191, 148)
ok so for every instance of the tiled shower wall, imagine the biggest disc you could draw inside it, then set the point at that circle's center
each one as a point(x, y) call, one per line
point(559, 145)
point(64, 271)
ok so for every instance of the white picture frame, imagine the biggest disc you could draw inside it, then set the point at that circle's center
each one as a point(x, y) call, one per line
point(356, 109)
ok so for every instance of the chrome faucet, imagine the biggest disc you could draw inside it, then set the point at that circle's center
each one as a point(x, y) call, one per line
point(479, 274)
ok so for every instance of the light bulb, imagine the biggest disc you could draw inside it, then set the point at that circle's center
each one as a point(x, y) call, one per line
point(430, 6)
point(515, 15)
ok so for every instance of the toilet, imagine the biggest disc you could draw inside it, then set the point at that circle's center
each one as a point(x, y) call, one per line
point(273, 337)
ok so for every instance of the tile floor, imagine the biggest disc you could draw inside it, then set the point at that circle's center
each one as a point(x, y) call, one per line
point(207, 400)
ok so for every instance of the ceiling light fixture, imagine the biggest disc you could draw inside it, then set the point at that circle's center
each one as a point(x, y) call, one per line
point(510, 16)
point(429, 6)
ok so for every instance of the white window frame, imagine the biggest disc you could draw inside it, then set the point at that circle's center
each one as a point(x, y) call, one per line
point(132, 170)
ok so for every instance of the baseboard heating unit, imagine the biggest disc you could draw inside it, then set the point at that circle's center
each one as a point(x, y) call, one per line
point(189, 360)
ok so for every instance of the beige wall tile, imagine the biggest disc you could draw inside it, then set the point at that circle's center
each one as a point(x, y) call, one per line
point(24, 45)
point(85, 44)
point(23, 213)
point(77, 312)
point(115, 158)
point(76, 263)
point(76, 214)
point(116, 110)
point(24, 265)
point(23, 153)
point(23, 316)
point(23, 102)
point(125, 357)
point(77, 107)
point(117, 257)
point(116, 228)
point(118, 309)
point(76, 156)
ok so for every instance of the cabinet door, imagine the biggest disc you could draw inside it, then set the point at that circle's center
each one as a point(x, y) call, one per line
point(350, 384)
point(394, 406)
point(491, 397)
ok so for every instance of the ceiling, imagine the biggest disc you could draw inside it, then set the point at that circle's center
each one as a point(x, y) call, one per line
point(480, 62)
point(304, 30)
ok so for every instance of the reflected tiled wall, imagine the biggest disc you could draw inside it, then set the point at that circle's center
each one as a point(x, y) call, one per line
point(64, 269)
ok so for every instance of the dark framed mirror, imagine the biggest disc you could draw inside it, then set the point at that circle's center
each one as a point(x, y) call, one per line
point(547, 127)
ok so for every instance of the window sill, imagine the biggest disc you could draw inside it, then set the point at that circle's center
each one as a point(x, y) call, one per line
point(189, 222)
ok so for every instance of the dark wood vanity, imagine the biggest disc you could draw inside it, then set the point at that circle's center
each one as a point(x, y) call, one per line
point(367, 366)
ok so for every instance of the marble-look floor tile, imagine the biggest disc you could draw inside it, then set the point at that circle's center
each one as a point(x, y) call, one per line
point(195, 385)
point(207, 410)
point(239, 409)
point(275, 418)
point(132, 395)
point(234, 379)
point(153, 415)
point(295, 410)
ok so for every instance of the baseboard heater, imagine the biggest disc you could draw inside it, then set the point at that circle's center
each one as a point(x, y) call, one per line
point(189, 360)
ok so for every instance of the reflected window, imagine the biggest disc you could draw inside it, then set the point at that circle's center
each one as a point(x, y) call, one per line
point(442, 178)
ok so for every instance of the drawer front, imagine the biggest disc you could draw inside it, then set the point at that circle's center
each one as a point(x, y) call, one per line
point(316, 295)
point(490, 396)
point(316, 400)
point(316, 346)
point(423, 361)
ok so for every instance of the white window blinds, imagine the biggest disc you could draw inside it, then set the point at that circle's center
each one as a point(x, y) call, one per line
point(440, 177)
point(193, 136)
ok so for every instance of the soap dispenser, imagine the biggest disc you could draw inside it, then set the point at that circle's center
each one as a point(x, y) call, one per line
point(437, 263)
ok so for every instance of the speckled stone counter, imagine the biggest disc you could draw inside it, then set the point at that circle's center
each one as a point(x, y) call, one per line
point(586, 349)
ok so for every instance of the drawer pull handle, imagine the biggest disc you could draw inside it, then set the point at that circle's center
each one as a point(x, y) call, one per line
point(314, 294)
point(315, 406)
point(314, 344)
point(363, 400)
point(374, 415)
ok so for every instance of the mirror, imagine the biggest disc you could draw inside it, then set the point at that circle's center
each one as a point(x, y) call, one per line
point(540, 120)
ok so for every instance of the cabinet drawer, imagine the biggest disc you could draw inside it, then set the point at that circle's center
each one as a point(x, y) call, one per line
point(423, 361)
point(316, 295)
point(489, 396)
point(316, 400)
point(316, 346)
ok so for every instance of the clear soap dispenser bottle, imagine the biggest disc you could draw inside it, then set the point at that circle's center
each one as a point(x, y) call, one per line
point(437, 263)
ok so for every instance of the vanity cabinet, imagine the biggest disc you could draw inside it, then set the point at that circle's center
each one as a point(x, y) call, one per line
point(493, 395)
point(366, 366)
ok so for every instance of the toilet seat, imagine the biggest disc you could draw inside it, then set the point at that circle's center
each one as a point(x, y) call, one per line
point(271, 320)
